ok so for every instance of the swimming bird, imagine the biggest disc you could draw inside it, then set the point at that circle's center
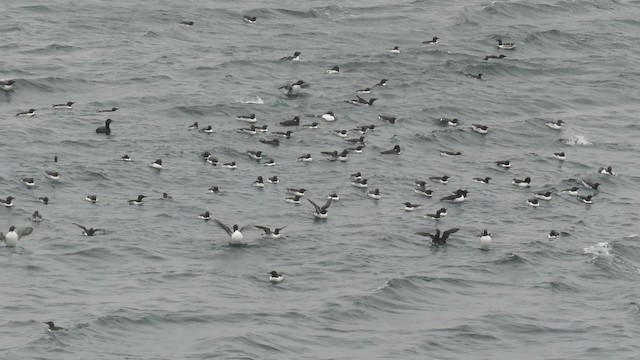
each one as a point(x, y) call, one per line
point(341, 133)
point(293, 200)
point(590, 184)
point(533, 202)
point(91, 198)
point(275, 234)
point(30, 112)
point(295, 88)
point(259, 182)
point(212, 160)
point(433, 41)
point(485, 240)
point(480, 129)
point(501, 56)
point(29, 181)
point(274, 142)
point(362, 183)
point(305, 158)
point(137, 201)
point(572, 191)
point(105, 129)
point(313, 125)
point(387, 118)
point(363, 91)
point(484, 180)
point(356, 176)
point(89, 231)
point(321, 212)
point(251, 118)
point(450, 153)
point(295, 57)
point(284, 134)
point(52, 175)
point(476, 77)
point(274, 277)
point(396, 150)
point(395, 50)
point(187, 23)
point(125, 157)
point(437, 238)
point(295, 191)
point(157, 164)
point(359, 140)
point(249, 19)
point(557, 125)
point(67, 105)
point(236, 237)
point(437, 216)
point(206, 216)
point(559, 155)
point(382, 82)
point(269, 162)
point(522, 182)
point(449, 122)
point(374, 194)
point(53, 327)
point(606, 171)
point(506, 46)
point(207, 130)
point(546, 196)
point(293, 122)
point(256, 155)
point(36, 217)
point(193, 126)
point(273, 180)
point(334, 70)
point(230, 165)
point(7, 202)
point(585, 199)
point(503, 163)
point(358, 149)
point(108, 110)
point(12, 237)
point(363, 129)
point(7, 84)
point(553, 234)
point(214, 189)
point(361, 101)
point(166, 196)
point(411, 207)
point(441, 179)
point(328, 116)
point(459, 196)
point(422, 190)
point(44, 199)
point(333, 197)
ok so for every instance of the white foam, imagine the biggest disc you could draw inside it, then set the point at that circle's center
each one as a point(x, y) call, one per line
point(601, 249)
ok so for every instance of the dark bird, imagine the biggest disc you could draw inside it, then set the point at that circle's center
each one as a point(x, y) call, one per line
point(437, 239)
point(105, 129)
point(137, 201)
point(396, 150)
point(53, 327)
point(275, 234)
point(501, 56)
point(89, 231)
point(321, 212)
point(361, 101)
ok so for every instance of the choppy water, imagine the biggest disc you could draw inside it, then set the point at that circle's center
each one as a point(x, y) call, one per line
point(162, 284)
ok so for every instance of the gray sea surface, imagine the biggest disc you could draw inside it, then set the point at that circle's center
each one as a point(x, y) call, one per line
point(163, 284)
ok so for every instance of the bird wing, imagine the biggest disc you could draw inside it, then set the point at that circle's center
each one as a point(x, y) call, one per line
point(361, 100)
point(326, 205)
point(446, 234)
point(24, 232)
point(80, 226)
point(244, 227)
point(426, 234)
point(318, 209)
point(264, 228)
point(280, 229)
point(223, 226)
point(1, 236)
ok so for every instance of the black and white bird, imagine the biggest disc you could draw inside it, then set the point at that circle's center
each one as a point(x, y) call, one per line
point(321, 211)
point(13, 235)
point(295, 88)
point(235, 235)
point(275, 234)
point(106, 129)
point(89, 231)
point(437, 238)
point(361, 101)
point(506, 45)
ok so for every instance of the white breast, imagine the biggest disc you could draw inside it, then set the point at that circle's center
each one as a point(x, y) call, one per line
point(11, 239)
point(485, 242)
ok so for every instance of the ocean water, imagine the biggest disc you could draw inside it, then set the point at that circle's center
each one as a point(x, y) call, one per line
point(163, 284)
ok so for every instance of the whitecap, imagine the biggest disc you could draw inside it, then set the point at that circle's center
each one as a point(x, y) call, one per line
point(601, 249)
point(255, 99)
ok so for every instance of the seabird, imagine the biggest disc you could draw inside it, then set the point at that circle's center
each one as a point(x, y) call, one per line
point(29, 112)
point(359, 140)
point(473, 76)
point(293, 199)
point(53, 327)
point(503, 163)
point(433, 41)
point(484, 180)
point(108, 110)
point(313, 125)
point(269, 162)
point(585, 199)
point(553, 234)
point(236, 237)
point(555, 125)
point(480, 129)
point(501, 56)
point(207, 130)
point(387, 118)
point(533, 202)
point(506, 46)
point(295, 88)
point(295, 57)
point(64, 106)
point(449, 122)
point(11, 238)
point(212, 160)
point(382, 82)
point(361, 101)
point(396, 150)
point(590, 184)
point(105, 129)
point(298, 192)
point(363, 129)
point(437, 216)
point(293, 122)
point(274, 142)
point(437, 239)
point(441, 179)
point(259, 182)
point(485, 240)
point(206, 216)
point(321, 212)
point(411, 207)
point(559, 155)
point(328, 116)
point(274, 277)
point(193, 126)
point(341, 133)
point(36, 217)
point(256, 155)
point(137, 201)
point(273, 180)
point(374, 194)
point(334, 70)
point(333, 197)
point(157, 164)
point(363, 91)
point(362, 183)
point(7, 84)
point(606, 171)
point(572, 191)
point(522, 182)
point(546, 196)
point(52, 175)
point(166, 196)
point(7, 202)
point(230, 165)
point(251, 118)
point(91, 198)
point(89, 231)
point(44, 199)
point(249, 19)
point(305, 158)
point(275, 234)
point(459, 196)
point(395, 50)
point(187, 23)
point(422, 190)
point(450, 153)
point(125, 157)
point(214, 189)
point(28, 181)
point(284, 134)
